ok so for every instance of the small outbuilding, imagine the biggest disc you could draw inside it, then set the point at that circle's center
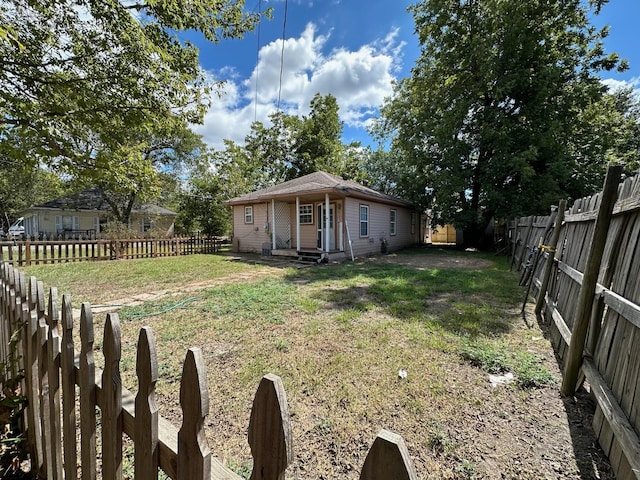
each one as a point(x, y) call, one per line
point(323, 214)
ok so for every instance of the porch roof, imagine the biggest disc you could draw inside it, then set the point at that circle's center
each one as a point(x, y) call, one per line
point(317, 184)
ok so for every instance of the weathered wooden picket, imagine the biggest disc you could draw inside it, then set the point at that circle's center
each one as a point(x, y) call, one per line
point(587, 285)
point(64, 389)
point(25, 253)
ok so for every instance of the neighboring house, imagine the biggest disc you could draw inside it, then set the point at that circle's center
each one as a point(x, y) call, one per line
point(323, 213)
point(86, 214)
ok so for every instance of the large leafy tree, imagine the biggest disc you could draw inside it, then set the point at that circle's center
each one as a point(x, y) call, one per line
point(496, 107)
point(95, 88)
point(290, 147)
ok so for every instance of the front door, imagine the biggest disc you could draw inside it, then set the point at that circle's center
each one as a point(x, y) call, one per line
point(321, 210)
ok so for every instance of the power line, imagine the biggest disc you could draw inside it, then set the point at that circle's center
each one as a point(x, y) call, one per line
point(255, 101)
point(284, 31)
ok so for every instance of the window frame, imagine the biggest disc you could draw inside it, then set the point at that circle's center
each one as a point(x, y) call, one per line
point(306, 214)
point(248, 214)
point(393, 222)
point(364, 222)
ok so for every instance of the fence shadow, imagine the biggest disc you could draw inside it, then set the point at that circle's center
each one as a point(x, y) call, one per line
point(580, 409)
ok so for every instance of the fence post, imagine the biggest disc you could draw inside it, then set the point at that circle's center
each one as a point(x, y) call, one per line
point(146, 430)
point(112, 401)
point(87, 395)
point(194, 456)
point(587, 289)
point(388, 458)
point(270, 430)
point(68, 371)
point(562, 206)
point(27, 253)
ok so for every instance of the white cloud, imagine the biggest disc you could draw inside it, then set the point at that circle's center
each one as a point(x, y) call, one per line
point(614, 84)
point(359, 79)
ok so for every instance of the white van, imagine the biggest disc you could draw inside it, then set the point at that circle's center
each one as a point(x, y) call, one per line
point(16, 231)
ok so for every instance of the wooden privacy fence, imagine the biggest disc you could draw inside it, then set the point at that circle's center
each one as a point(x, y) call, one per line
point(585, 269)
point(25, 253)
point(64, 389)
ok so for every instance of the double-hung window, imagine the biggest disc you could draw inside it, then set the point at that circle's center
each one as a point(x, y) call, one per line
point(248, 214)
point(306, 214)
point(364, 220)
point(392, 222)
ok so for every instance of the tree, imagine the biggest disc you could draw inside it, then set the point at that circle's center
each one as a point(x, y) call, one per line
point(291, 147)
point(89, 86)
point(490, 118)
point(22, 187)
point(201, 208)
point(318, 142)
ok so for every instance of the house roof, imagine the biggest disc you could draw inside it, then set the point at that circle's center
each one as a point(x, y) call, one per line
point(318, 183)
point(91, 199)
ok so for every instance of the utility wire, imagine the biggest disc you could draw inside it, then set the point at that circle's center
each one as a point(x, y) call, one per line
point(284, 31)
point(255, 101)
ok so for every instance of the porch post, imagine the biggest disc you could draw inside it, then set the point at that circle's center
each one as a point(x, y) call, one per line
point(298, 224)
point(327, 216)
point(273, 224)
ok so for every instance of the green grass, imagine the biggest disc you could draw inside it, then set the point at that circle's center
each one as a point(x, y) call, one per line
point(336, 334)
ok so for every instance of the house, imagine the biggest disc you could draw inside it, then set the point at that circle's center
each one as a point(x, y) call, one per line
point(86, 214)
point(324, 214)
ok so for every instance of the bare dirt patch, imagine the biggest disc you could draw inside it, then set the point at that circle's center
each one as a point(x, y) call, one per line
point(435, 261)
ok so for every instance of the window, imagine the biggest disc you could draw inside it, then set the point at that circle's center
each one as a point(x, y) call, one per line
point(66, 223)
point(392, 222)
point(413, 223)
point(146, 224)
point(364, 220)
point(306, 214)
point(248, 214)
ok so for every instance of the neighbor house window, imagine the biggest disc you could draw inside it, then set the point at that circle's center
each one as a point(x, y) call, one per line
point(248, 214)
point(413, 223)
point(145, 224)
point(392, 222)
point(306, 214)
point(66, 222)
point(364, 220)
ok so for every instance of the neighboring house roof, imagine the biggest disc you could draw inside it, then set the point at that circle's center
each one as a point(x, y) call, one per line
point(318, 183)
point(92, 200)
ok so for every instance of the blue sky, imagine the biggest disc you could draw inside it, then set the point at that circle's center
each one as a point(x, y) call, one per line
point(353, 49)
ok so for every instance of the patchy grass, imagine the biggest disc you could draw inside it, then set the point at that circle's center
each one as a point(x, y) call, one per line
point(338, 336)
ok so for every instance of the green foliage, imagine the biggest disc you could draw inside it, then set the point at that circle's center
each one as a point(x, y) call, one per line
point(22, 186)
point(500, 102)
point(96, 93)
point(200, 206)
point(289, 148)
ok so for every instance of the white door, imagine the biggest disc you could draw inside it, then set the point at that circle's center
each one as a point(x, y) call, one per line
point(321, 210)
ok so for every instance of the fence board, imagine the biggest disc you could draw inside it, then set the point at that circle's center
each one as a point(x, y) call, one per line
point(388, 458)
point(87, 370)
point(146, 429)
point(194, 456)
point(270, 430)
point(67, 368)
point(112, 401)
point(53, 373)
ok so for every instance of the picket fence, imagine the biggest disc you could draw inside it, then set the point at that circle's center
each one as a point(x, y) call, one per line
point(26, 253)
point(583, 265)
point(63, 389)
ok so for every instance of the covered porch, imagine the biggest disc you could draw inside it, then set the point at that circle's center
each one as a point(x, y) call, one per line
point(308, 226)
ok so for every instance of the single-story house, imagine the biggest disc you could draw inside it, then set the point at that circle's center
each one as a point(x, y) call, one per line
point(86, 214)
point(325, 214)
